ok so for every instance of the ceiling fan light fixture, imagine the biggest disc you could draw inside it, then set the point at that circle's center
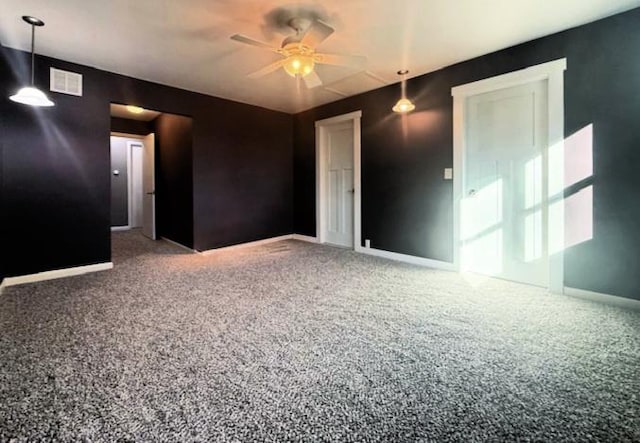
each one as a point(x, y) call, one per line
point(298, 52)
point(30, 95)
point(299, 65)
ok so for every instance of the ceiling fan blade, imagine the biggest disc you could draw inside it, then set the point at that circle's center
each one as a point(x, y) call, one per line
point(316, 34)
point(249, 41)
point(267, 69)
point(357, 61)
point(311, 80)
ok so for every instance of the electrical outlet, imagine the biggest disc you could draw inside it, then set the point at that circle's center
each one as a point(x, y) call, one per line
point(367, 243)
point(448, 173)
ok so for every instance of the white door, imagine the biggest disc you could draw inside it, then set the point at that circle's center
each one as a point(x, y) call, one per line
point(149, 188)
point(504, 208)
point(339, 184)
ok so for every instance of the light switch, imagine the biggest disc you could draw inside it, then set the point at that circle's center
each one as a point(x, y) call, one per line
point(448, 173)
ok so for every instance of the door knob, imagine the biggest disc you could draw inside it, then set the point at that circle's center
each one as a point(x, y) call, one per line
point(351, 190)
point(151, 193)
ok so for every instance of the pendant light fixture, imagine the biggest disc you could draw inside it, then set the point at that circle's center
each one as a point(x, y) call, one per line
point(403, 105)
point(30, 95)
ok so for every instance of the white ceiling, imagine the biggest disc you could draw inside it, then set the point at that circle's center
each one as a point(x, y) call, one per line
point(186, 43)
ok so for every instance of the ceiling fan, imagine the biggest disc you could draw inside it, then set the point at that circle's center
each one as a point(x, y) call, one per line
point(299, 51)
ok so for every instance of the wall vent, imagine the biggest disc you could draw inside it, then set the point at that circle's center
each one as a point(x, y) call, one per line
point(66, 82)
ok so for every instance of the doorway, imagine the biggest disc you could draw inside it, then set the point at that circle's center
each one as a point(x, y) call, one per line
point(133, 183)
point(508, 133)
point(167, 171)
point(338, 180)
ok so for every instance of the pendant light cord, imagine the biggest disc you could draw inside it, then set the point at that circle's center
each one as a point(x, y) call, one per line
point(33, 39)
point(403, 82)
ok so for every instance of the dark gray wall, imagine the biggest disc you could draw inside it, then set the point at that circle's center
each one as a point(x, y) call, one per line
point(119, 183)
point(406, 204)
point(174, 178)
point(56, 167)
point(243, 185)
point(56, 182)
point(130, 126)
point(2, 216)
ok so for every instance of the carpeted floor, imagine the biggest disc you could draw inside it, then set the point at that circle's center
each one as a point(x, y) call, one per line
point(299, 342)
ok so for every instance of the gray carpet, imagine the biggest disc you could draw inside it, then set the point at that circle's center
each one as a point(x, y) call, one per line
point(298, 342)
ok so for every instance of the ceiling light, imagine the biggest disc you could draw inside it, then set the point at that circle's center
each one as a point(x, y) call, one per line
point(135, 109)
point(404, 104)
point(299, 65)
point(300, 60)
point(30, 95)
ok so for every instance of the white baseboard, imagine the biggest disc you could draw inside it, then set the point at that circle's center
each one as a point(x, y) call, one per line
point(412, 259)
point(246, 245)
point(120, 228)
point(306, 238)
point(180, 245)
point(57, 273)
point(300, 237)
point(615, 300)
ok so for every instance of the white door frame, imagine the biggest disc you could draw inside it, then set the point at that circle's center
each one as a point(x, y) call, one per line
point(149, 154)
point(130, 145)
point(553, 73)
point(141, 139)
point(321, 162)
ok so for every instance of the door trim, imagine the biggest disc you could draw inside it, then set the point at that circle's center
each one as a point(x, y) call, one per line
point(321, 161)
point(132, 137)
point(553, 73)
point(148, 145)
point(130, 146)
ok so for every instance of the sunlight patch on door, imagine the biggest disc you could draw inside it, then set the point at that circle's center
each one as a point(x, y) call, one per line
point(533, 240)
point(482, 230)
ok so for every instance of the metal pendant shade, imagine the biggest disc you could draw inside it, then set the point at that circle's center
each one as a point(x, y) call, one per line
point(403, 105)
point(30, 95)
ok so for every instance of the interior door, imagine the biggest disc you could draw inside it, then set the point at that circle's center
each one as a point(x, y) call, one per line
point(149, 188)
point(339, 182)
point(504, 209)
